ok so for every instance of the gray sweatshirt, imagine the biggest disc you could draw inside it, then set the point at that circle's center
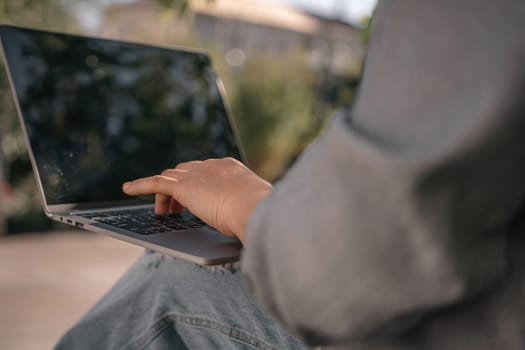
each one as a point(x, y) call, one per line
point(399, 227)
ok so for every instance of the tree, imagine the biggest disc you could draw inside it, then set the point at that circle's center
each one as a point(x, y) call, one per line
point(179, 6)
point(49, 14)
point(23, 204)
point(35, 13)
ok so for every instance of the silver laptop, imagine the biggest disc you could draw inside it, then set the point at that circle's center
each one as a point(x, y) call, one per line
point(97, 113)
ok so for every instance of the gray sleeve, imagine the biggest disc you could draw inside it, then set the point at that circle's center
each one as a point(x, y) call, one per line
point(400, 208)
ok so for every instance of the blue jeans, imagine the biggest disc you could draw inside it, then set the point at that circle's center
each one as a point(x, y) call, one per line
point(167, 303)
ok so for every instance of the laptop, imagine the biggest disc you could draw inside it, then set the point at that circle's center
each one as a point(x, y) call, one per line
point(96, 113)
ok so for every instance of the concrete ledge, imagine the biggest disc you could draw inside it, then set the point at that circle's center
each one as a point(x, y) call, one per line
point(49, 280)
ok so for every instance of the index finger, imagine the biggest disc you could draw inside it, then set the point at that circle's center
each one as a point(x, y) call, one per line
point(157, 184)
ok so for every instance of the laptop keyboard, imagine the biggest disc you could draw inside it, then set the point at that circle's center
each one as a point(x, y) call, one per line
point(145, 222)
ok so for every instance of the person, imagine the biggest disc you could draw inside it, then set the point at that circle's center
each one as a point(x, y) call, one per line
point(399, 228)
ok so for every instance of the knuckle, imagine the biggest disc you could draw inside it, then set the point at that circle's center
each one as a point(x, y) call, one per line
point(231, 160)
point(168, 173)
point(216, 161)
point(156, 180)
point(186, 165)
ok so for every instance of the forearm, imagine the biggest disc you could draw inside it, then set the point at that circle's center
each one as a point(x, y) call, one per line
point(401, 210)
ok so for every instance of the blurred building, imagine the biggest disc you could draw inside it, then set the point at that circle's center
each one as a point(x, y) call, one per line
point(242, 28)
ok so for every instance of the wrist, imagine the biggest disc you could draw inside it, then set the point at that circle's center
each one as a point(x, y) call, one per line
point(244, 210)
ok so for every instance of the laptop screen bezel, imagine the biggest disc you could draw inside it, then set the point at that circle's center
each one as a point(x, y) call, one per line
point(70, 207)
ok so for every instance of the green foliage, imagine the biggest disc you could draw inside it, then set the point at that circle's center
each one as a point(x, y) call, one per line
point(365, 33)
point(273, 103)
point(23, 205)
point(180, 7)
point(279, 105)
point(34, 13)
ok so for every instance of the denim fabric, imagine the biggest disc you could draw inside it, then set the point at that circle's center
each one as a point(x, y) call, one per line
point(166, 303)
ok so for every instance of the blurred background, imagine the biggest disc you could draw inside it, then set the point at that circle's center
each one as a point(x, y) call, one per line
point(287, 65)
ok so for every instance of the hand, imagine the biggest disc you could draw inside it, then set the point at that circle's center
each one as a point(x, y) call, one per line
point(221, 192)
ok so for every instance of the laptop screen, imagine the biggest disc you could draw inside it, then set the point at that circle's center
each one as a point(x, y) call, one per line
point(100, 112)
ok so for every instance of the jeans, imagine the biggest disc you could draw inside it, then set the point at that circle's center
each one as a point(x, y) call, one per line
point(167, 303)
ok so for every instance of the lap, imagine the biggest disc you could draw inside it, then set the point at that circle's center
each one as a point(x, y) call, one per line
point(166, 303)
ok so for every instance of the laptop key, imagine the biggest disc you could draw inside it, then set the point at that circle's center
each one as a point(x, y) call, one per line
point(155, 230)
point(146, 222)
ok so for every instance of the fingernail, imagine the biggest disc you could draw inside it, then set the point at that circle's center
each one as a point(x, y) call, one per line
point(126, 185)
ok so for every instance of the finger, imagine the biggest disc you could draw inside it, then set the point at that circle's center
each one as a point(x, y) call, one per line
point(188, 165)
point(178, 174)
point(157, 184)
point(175, 207)
point(162, 204)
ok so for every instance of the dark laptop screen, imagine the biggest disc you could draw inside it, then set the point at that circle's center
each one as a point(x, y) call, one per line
point(101, 112)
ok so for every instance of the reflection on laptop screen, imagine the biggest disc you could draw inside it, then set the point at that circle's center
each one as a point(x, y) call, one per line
point(100, 112)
